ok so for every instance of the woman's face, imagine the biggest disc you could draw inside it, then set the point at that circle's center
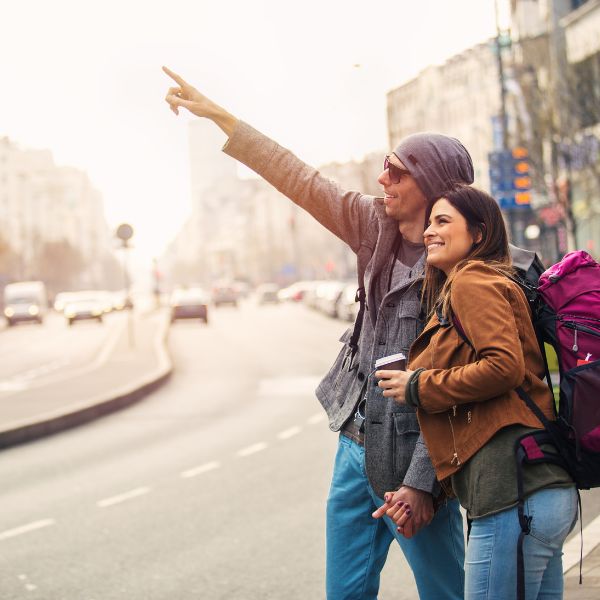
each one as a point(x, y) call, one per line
point(447, 237)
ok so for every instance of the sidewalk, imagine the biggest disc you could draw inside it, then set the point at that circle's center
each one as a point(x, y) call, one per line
point(123, 373)
point(590, 589)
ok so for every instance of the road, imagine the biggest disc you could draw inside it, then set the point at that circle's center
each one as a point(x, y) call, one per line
point(213, 487)
point(31, 354)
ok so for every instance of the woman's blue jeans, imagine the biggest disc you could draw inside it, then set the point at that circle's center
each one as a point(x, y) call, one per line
point(491, 561)
point(357, 544)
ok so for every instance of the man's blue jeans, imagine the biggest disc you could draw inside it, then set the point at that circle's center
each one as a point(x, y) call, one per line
point(357, 544)
point(491, 563)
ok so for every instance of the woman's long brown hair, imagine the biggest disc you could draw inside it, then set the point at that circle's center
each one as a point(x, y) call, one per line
point(482, 214)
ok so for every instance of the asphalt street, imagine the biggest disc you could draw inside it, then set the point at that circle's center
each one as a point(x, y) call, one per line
point(213, 487)
point(31, 354)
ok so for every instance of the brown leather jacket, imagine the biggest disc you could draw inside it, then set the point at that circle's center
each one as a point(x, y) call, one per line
point(466, 395)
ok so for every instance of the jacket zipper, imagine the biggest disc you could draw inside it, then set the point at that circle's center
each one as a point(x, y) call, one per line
point(578, 327)
point(455, 455)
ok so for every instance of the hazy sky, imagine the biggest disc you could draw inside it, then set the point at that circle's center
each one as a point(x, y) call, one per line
point(83, 79)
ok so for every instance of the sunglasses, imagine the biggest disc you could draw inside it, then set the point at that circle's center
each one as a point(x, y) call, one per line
point(395, 173)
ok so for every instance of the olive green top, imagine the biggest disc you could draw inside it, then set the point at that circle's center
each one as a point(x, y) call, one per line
point(487, 483)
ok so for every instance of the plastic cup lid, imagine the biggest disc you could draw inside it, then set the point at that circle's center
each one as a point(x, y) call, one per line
point(386, 360)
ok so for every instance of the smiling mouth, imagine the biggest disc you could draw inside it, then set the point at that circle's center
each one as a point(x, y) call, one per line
point(434, 245)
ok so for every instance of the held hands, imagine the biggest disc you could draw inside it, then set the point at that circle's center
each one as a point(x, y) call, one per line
point(188, 97)
point(393, 384)
point(409, 508)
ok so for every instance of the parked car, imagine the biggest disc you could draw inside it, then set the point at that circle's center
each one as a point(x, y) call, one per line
point(82, 309)
point(296, 291)
point(225, 293)
point(189, 303)
point(329, 294)
point(25, 301)
point(267, 293)
point(347, 307)
point(313, 294)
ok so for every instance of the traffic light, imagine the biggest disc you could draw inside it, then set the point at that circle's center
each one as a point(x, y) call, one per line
point(510, 180)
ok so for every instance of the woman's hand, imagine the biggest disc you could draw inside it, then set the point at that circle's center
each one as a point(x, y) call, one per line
point(409, 508)
point(188, 97)
point(393, 384)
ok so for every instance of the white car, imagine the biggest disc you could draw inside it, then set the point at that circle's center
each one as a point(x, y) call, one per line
point(189, 303)
point(84, 309)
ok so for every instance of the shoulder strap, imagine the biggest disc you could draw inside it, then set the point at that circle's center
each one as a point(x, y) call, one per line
point(360, 297)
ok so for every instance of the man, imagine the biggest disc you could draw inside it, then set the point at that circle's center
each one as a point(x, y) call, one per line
point(380, 453)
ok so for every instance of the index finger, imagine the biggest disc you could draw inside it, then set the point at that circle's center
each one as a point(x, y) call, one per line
point(174, 76)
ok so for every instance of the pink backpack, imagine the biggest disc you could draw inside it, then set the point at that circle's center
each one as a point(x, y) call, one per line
point(569, 320)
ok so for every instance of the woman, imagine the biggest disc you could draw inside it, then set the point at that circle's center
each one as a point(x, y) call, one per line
point(467, 406)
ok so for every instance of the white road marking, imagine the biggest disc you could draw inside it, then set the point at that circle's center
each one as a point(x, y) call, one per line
point(211, 466)
point(26, 528)
point(252, 449)
point(12, 386)
point(30, 587)
point(122, 497)
point(23, 380)
point(316, 419)
point(27, 379)
point(572, 549)
point(288, 433)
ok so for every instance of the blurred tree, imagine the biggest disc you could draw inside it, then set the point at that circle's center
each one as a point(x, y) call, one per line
point(9, 262)
point(59, 264)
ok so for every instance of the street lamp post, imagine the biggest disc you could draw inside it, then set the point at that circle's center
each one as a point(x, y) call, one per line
point(125, 233)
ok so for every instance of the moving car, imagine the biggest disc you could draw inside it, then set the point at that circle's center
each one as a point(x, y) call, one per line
point(62, 299)
point(25, 301)
point(267, 293)
point(225, 293)
point(82, 308)
point(189, 303)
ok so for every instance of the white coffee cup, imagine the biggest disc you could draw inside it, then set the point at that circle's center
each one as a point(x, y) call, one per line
point(393, 362)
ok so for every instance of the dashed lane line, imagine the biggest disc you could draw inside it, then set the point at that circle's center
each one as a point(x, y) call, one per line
point(288, 433)
point(122, 497)
point(211, 466)
point(10, 533)
point(252, 449)
point(141, 491)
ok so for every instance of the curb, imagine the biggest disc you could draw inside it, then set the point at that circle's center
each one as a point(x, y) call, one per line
point(89, 410)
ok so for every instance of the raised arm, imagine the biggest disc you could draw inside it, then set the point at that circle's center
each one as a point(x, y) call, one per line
point(348, 215)
point(186, 96)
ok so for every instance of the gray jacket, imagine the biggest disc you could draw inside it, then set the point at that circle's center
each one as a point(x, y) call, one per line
point(394, 449)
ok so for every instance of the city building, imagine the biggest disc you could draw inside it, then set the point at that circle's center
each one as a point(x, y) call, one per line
point(42, 203)
point(241, 228)
point(556, 62)
point(459, 98)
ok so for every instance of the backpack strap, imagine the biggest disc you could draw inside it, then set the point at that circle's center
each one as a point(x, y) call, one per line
point(524, 520)
point(360, 297)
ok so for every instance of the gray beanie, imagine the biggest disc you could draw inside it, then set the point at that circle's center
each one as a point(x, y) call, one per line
point(436, 161)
